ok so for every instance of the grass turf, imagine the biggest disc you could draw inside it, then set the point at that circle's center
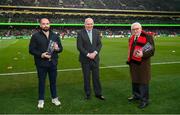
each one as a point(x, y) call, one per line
point(18, 93)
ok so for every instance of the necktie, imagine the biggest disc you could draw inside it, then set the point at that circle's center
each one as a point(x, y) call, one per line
point(90, 35)
point(135, 39)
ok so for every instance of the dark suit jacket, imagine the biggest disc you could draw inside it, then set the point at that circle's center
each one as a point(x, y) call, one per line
point(84, 45)
point(39, 44)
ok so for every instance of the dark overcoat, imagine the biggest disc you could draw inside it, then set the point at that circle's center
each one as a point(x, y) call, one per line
point(141, 72)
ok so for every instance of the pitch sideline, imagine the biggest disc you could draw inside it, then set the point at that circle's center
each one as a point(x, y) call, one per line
point(78, 69)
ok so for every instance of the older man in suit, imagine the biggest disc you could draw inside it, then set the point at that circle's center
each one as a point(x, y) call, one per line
point(89, 46)
point(139, 57)
point(46, 60)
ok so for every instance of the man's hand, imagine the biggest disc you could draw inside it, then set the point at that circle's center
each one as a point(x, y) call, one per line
point(139, 53)
point(56, 47)
point(92, 55)
point(45, 55)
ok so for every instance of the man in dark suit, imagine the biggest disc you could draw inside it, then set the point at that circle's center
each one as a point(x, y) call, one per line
point(89, 46)
point(46, 60)
point(139, 63)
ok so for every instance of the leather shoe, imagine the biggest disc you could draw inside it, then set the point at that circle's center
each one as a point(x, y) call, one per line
point(130, 99)
point(143, 105)
point(100, 97)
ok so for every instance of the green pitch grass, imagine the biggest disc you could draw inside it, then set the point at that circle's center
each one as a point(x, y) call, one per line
point(18, 93)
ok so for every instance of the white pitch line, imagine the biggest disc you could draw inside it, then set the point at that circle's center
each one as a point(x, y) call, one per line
point(13, 42)
point(78, 69)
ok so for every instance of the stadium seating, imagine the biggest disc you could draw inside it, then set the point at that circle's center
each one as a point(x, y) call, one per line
point(152, 5)
point(33, 17)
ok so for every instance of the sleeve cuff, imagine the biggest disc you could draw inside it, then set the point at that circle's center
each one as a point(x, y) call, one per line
point(95, 52)
point(87, 55)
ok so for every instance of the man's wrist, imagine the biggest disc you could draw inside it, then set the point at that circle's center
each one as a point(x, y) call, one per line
point(57, 49)
point(42, 55)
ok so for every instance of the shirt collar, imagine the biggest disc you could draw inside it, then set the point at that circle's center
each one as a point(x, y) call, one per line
point(89, 31)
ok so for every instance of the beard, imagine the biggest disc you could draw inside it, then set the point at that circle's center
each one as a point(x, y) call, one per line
point(45, 29)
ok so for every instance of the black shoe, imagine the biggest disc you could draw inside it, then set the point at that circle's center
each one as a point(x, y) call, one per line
point(87, 97)
point(100, 97)
point(130, 99)
point(143, 105)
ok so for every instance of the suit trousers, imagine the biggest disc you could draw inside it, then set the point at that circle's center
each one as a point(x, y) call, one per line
point(140, 91)
point(42, 73)
point(87, 69)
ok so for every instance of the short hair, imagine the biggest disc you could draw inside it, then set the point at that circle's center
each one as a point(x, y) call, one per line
point(135, 23)
point(88, 19)
point(42, 19)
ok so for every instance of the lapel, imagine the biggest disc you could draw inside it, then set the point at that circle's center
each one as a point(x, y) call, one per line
point(50, 35)
point(93, 37)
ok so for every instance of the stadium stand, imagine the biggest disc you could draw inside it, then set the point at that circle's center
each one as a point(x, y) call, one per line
point(26, 18)
point(102, 11)
point(159, 5)
point(22, 14)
